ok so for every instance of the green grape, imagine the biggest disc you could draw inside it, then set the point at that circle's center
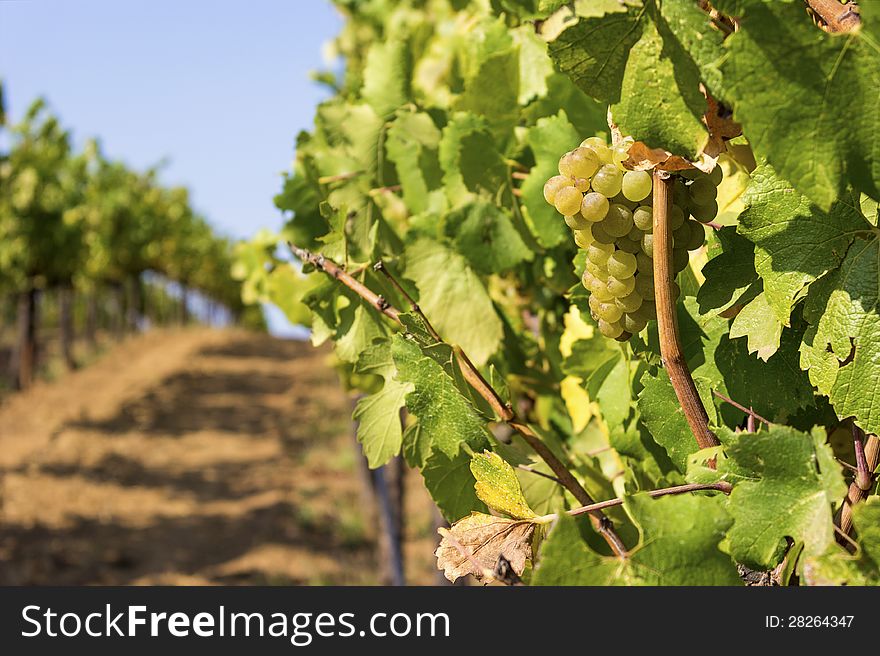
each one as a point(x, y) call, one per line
point(621, 286)
point(598, 145)
point(583, 238)
point(631, 302)
point(597, 270)
point(636, 185)
point(633, 323)
point(618, 222)
point(601, 293)
point(594, 207)
point(599, 233)
point(644, 263)
point(553, 185)
point(705, 213)
point(682, 236)
point(697, 235)
point(577, 222)
point(599, 252)
point(645, 286)
point(675, 217)
point(609, 312)
point(607, 181)
point(716, 175)
point(620, 199)
point(620, 153)
point(680, 259)
point(643, 217)
point(621, 265)
point(648, 244)
point(680, 195)
point(579, 163)
point(588, 280)
point(627, 245)
point(702, 191)
point(568, 201)
point(612, 330)
point(581, 184)
point(594, 305)
point(648, 311)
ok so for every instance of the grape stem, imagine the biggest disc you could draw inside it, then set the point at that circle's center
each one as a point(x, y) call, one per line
point(667, 320)
point(835, 15)
point(602, 524)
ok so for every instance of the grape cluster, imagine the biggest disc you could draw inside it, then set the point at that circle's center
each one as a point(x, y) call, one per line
point(609, 210)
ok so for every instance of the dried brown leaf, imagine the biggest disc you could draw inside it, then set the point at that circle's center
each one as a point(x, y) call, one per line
point(474, 544)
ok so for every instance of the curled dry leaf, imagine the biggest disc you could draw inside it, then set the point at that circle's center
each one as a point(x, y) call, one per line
point(721, 127)
point(474, 544)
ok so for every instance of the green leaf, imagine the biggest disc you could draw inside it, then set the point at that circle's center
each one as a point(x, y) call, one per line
point(792, 483)
point(535, 65)
point(357, 330)
point(549, 139)
point(692, 41)
point(783, 71)
point(446, 418)
point(660, 100)
point(470, 159)
point(451, 484)
point(379, 427)
point(594, 51)
point(729, 273)
point(795, 242)
point(454, 299)
point(842, 346)
point(664, 417)
point(386, 76)
point(839, 567)
point(412, 143)
point(484, 233)
point(761, 326)
point(678, 546)
point(493, 91)
point(498, 487)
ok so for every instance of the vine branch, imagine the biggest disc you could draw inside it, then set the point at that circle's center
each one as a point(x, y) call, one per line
point(752, 414)
point(867, 450)
point(721, 486)
point(667, 320)
point(601, 523)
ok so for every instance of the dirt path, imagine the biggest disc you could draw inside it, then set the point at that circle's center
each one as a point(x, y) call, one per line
point(187, 457)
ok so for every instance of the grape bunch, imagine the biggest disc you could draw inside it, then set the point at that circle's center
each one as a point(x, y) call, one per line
point(609, 209)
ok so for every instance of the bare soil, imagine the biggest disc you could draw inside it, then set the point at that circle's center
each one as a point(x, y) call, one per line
point(192, 457)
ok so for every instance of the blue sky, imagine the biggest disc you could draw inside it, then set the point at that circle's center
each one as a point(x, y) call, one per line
point(219, 89)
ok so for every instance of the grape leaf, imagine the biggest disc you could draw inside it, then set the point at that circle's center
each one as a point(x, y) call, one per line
point(838, 566)
point(450, 483)
point(757, 322)
point(379, 427)
point(474, 544)
point(493, 91)
point(792, 482)
point(660, 99)
point(387, 74)
point(783, 71)
point(678, 545)
point(484, 233)
point(664, 417)
point(841, 349)
point(446, 417)
point(454, 298)
point(549, 139)
point(412, 142)
point(795, 242)
point(594, 51)
point(729, 273)
point(470, 159)
point(498, 487)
